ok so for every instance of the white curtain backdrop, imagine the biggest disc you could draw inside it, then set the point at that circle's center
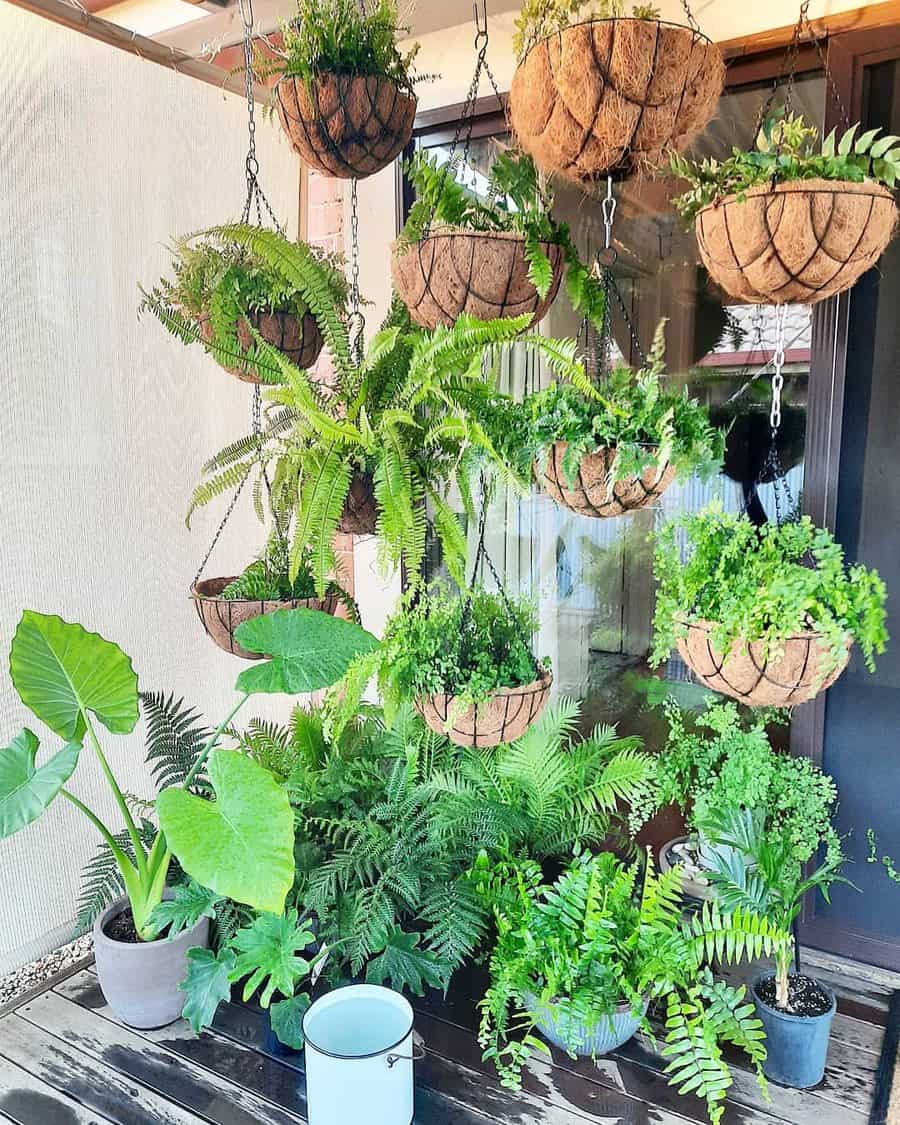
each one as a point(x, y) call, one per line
point(104, 419)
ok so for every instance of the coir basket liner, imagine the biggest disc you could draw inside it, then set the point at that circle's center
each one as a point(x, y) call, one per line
point(504, 717)
point(297, 337)
point(611, 96)
point(345, 125)
point(360, 514)
point(221, 616)
point(479, 273)
point(591, 493)
point(746, 675)
point(800, 241)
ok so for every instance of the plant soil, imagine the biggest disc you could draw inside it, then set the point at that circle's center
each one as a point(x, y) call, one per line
point(121, 927)
point(806, 996)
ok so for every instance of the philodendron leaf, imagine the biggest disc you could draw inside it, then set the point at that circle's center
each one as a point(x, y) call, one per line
point(241, 845)
point(207, 984)
point(287, 1020)
point(189, 903)
point(269, 955)
point(309, 650)
point(60, 670)
point(25, 789)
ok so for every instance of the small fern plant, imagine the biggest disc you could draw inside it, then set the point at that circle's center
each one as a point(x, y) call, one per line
point(516, 202)
point(606, 934)
point(268, 579)
point(404, 418)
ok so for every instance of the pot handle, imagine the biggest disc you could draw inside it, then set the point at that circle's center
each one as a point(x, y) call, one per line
point(419, 1052)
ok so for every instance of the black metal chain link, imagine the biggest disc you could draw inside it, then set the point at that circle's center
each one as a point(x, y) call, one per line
point(692, 23)
point(356, 322)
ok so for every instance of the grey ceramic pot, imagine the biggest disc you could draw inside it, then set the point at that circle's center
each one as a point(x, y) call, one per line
point(554, 1022)
point(140, 979)
point(796, 1046)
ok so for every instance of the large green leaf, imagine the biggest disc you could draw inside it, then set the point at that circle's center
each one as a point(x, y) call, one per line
point(286, 1018)
point(241, 845)
point(25, 791)
point(189, 903)
point(207, 984)
point(269, 955)
point(61, 670)
point(309, 650)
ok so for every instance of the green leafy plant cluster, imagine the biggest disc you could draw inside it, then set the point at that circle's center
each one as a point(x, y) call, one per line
point(516, 202)
point(763, 584)
point(787, 149)
point(268, 579)
point(605, 934)
point(539, 18)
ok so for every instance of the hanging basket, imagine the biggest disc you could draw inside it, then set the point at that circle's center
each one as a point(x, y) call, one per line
point(747, 676)
point(344, 125)
point(221, 616)
point(504, 717)
point(360, 514)
point(478, 273)
point(297, 337)
point(612, 96)
point(592, 494)
point(800, 241)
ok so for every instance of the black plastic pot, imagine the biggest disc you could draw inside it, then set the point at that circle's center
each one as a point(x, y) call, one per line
point(797, 1045)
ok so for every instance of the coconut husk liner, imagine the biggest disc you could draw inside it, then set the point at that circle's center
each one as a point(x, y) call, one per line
point(504, 717)
point(344, 125)
point(298, 338)
point(360, 514)
point(221, 616)
point(613, 96)
point(747, 675)
point(592, 493)
point(800, 241)
point(477, 273)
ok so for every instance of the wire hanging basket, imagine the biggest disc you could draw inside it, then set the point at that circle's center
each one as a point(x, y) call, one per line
point(345, 125)
point(594, 492)
point(360, 514)
point(614, 95)
point(503, 717)
point(297, 337)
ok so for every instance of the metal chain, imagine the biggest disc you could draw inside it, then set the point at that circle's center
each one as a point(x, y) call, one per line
point(694, 26)
point(777, 366)
point(608, 209)
point(256, 198)
point(356, 322)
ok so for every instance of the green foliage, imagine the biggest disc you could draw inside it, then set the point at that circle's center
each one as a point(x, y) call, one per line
point(605, 934)
point(787, 149)
point(101, 880)
point(465, 646)
point(176, 736)
point(207, 984)
point(402, 964)
point(286, 1017)
point(516, 202)
point(758, 584)
point(189, 903)
point(216, 277)
point(269, 579)
point(539, 18)
point(27, 789)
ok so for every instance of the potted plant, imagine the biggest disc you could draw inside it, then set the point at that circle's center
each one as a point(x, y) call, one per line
point(765, 615)
point(403, 423)
point(611, 94)
point(615, 450)
point(581, 960)
point(466, 664)
point(502, 257)
point(793, 220)
point(344, 94)
point(222, 294)
point(758, 870)
point(265, 586)
point(239, 844)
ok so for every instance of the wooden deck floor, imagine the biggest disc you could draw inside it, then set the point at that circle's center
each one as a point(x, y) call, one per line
point(65, 1060)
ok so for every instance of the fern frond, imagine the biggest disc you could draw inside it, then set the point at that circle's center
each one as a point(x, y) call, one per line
point(176, 733)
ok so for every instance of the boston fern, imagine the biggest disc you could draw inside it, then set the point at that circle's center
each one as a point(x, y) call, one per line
point(605, 934)
point(763, 584)
point(406, 421)
point(516, 202)
point(787, 149)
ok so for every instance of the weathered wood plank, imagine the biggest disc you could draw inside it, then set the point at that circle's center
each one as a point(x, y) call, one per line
point(170, 1074)
point(26, 1100)
point(94, 1085)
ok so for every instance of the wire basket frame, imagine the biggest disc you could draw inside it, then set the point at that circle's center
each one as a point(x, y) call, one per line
point(593, 492)
point(503, 717)
point(298, 338)
point(451, 273)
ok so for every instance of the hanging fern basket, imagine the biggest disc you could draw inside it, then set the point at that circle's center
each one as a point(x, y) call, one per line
point(360, 514)
point(612, 96)
point(297, 337)
point(503, 717)
point(593, 492)
point(805, 667)
point(221, 616)
point(344, 125)
point(801, 241)
point(477, 273)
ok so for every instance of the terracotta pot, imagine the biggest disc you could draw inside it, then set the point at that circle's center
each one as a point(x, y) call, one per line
point(478, 273)
point(297, 337)
point(747, 676)
point(799, 242)
point(221, 616)
point(592, 494)
point(612, 96)
point(344, 125)
point(360, 509)
point(504, 717)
